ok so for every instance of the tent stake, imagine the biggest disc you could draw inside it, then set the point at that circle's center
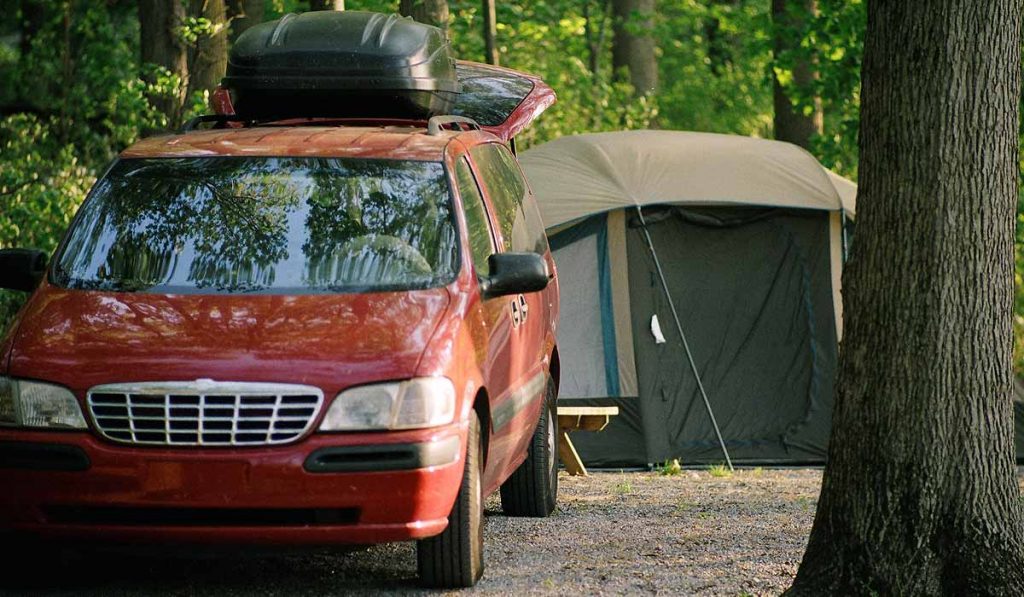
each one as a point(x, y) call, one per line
point(686, 345)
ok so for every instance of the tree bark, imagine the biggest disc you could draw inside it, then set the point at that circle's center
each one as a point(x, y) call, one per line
point(243, 15)
point(161, 44)
point(208, 57)
point(327, 4)
point(490, 32)
point(920, 494)
point(633, 45)
point(431, 12)
point(791, 123)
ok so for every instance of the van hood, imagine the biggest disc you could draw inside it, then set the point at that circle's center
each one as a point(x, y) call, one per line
point(83, 338)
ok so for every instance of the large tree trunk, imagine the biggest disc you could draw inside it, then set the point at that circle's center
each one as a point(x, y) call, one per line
point(791, 123)
point(161, 44)
point(327, 4)
point(244, 14)
point(633, 44)
point(920, 495)
point(431, 12)
point(490, 32)
point(208, 57)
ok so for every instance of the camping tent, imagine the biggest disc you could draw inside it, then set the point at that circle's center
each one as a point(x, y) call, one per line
point(738, 240)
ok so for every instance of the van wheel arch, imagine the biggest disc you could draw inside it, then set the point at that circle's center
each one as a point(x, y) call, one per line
point(482, 407)
point(555, 368)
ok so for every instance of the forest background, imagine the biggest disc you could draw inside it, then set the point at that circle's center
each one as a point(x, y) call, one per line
point(78, 82)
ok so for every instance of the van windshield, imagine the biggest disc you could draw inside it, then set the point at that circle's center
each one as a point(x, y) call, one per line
point(264, 225)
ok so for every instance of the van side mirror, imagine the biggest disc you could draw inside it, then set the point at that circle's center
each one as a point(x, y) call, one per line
point(21, 269)
point(515, 273)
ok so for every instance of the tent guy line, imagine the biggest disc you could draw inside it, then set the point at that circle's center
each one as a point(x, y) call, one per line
point(679, 328)
point(748, 235)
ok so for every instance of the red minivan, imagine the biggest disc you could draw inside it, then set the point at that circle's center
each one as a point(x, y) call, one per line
point(295, 332)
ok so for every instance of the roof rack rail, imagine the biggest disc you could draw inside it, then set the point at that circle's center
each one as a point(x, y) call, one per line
point(437, 123)
point(219, 121)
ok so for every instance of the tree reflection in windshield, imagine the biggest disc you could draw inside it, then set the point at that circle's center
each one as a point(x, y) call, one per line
point(263, 225)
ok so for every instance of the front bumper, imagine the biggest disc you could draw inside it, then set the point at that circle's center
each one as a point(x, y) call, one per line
point(357, 488)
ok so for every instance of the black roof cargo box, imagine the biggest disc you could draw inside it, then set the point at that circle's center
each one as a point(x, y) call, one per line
point(342, 64)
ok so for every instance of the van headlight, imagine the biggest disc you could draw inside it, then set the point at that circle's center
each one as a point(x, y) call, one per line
point(412, 404)
point(38, 405)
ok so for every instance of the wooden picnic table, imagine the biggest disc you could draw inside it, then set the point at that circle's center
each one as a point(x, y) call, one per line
point(579, 418)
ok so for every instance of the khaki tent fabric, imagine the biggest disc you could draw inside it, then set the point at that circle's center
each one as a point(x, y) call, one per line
point(750, 235)
point(581, 175)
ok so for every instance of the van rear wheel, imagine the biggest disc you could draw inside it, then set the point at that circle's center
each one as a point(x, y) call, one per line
point(455, 558)
point(532, 490)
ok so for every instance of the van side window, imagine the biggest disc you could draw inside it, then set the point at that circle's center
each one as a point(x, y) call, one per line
point(481, 243)
point(522, 229)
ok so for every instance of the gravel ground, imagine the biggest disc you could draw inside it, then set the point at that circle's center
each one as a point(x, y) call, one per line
point(613, 533)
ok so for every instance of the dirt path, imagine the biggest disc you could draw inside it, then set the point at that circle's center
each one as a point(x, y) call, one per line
point(691, 533)
point(614, 533)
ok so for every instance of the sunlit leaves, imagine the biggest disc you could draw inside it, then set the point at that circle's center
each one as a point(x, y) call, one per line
point(715, 66)
point(42, 183)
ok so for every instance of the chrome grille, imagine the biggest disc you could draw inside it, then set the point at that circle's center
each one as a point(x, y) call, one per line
point(204, 412)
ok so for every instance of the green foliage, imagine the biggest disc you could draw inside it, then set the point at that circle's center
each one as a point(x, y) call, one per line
point(80, 101)
point(79, 94)
point(623, 489)
point(832, 40)
point(196, 28)
point(837, 37)
point(42, 182)
point(81, 76)
point(547, 39)
point(715, 67)
point(714, 62)
point(670, 468)
point(719, 471)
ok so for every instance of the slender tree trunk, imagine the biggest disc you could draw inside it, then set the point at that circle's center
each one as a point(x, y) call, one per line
point(920, 494)
point(244, 14)
point(490, 32)
point(327, 4)
point(633, 45)
point(161, 44)
point(791, 123)
point(208, 57)
point(595, 28)
point(431, 12)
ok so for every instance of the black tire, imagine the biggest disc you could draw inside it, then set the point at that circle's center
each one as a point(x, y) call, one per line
point(532, 490)
point(455, 558)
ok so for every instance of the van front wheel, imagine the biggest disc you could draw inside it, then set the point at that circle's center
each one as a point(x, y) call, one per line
point(455, 558)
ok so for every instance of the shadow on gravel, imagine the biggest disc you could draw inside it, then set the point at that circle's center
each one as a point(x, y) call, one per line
point(77, 571)
point(83, 570)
